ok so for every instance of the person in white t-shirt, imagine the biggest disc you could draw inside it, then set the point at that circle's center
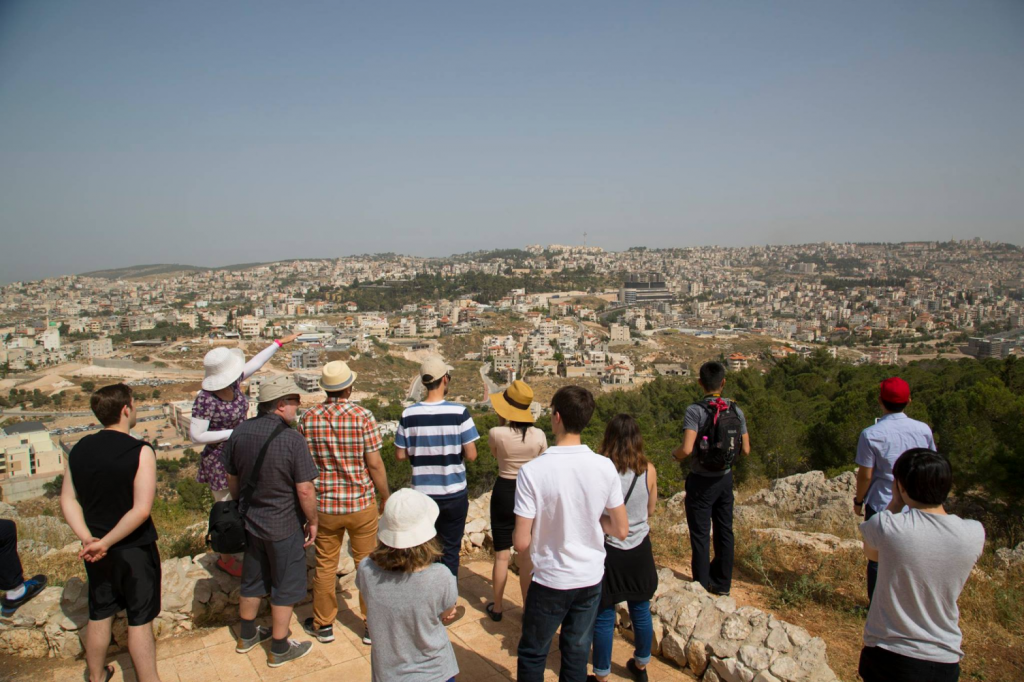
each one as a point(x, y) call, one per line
point(567, 500)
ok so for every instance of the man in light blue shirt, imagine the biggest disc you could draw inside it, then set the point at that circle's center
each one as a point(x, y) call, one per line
point(878, 449)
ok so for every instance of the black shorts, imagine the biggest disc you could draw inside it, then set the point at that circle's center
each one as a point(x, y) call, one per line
point(503, 518)
point(127, 579)
point(881, 665)
point(275, 567)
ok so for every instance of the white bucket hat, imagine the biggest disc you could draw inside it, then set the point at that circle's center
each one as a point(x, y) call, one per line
point(336, 376)
point(222, 367)
point(408, 519)
point(278, 387)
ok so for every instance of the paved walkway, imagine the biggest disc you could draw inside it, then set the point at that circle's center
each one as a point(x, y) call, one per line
point(486, 651)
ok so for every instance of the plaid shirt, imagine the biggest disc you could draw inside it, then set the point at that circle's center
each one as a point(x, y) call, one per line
point(339, 434)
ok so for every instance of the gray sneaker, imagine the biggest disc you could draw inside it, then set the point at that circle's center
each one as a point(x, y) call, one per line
point(295, 650)
point(246, 645)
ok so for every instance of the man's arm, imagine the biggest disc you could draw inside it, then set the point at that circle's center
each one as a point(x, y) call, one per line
point(686, 448)
point(307, 500)
point(469, 451)
point(746, 443)
point(72, 509)
point(522, 535)
point(234, 486)
point(378, 474)
point(616, 522)
point(863, 483)
point(144, 491)
point(401, 454)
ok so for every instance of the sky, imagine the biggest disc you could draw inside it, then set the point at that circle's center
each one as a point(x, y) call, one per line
point(213, 133)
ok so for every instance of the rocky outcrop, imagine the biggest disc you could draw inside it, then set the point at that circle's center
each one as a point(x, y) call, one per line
point(1010, 558)
point(478, 525)
point(821, 543)
point(809, 500)
point(721, 642)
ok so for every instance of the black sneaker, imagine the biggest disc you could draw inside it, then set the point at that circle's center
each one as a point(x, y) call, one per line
point(324, 634)
point(366, 635)
point(295, 651)
point(246, 645)
point(33, 586)
point(638, 674)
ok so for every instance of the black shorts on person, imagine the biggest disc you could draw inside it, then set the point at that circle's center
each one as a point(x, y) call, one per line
point(127, 579)
point(275, 567)
point(503, 518)
point(881, 665)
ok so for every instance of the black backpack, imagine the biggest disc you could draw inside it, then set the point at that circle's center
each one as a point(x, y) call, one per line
point(226, 533)
point(720, 440)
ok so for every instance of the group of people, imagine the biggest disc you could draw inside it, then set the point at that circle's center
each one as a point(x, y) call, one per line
point(577, 520)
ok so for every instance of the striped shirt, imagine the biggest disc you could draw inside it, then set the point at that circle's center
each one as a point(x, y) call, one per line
point(433, 434)
point(339, 434)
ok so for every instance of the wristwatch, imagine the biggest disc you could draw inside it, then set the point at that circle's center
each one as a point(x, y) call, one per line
point(857, 503)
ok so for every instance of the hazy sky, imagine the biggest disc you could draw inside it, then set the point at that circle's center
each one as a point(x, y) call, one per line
point(224, 132)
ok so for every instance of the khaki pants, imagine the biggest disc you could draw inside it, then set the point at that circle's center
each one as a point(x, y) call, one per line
point(362, 530)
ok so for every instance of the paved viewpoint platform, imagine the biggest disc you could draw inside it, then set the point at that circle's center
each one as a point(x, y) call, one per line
point(486, 651)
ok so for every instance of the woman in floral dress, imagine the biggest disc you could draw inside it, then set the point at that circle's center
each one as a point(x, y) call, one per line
point(219, 407)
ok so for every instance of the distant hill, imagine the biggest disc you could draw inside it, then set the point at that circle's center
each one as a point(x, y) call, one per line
point(160, 269)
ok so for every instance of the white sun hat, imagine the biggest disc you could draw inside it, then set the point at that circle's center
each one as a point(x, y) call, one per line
point(222, 367)
point(408, 519)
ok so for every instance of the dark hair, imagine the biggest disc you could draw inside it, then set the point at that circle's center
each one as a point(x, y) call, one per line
point(894, 407)
point(712, 375)
point(433, 384)
point(520, 427)
point(925, 474)
point(575, 405)
point(342, 394)
point(268, 406)
point(108, 402)
point(623, 445)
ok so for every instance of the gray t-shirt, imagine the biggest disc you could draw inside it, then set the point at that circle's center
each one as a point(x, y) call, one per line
point(403, 612)
point(695, 419)
point(923, 562)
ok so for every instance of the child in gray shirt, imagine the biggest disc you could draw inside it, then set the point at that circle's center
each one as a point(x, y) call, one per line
point(407, 595)
point(924, 559)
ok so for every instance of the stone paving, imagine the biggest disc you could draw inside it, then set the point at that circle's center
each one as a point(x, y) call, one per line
point(486, 651)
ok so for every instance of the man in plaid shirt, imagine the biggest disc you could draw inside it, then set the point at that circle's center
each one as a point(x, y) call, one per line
point(345, 444)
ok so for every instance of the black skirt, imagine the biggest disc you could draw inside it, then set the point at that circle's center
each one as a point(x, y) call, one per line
point(629, 574)
point(503, 518)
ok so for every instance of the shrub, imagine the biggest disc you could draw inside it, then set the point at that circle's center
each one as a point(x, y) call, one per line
point(195, 496)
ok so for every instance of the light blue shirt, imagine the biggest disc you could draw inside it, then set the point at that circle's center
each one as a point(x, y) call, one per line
point(879, 447)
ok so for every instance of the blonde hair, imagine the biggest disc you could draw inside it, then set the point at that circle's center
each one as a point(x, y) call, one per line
point(408, 559)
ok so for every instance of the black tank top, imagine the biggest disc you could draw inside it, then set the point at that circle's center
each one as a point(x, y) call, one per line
point(103, 467)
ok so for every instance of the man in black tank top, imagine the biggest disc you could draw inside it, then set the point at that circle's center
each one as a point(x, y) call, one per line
point(109, 486)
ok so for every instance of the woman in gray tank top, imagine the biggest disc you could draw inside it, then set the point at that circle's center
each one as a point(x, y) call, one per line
point(629, 572)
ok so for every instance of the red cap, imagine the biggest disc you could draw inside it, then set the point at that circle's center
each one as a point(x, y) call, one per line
point(895, 390)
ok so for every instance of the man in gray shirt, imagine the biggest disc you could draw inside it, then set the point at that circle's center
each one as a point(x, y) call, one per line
point(709, 496)
point(924, 558)
point(280, 519)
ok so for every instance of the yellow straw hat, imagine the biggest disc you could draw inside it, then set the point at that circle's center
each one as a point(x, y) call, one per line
point(514, 403)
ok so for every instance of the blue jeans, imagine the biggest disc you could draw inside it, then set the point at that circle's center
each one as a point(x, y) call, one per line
point(450, 526)
point(546, 609)
point(604, 631)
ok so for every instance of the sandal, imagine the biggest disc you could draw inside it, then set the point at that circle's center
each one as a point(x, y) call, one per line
point(495, 615)
point(230, 565)
point(110, 673)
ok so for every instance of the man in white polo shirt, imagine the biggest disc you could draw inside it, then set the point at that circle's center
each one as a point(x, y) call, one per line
point(566, 501)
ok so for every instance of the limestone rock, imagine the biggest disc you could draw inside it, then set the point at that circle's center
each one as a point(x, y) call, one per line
point(822, 543)
point(677, 503)
point(8, 511)
point(696, 657)
point(1011, 557)
point(673, 647)
point(680, 529)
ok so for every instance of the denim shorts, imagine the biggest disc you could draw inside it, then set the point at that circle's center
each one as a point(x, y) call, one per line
point(275, 567)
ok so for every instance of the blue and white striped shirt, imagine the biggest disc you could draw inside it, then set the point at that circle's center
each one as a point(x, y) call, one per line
point(433, 434)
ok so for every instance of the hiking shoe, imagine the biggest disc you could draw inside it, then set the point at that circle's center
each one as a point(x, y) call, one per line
point(366, 635)
point(638, 674)
point(33, 586)
point(247, 645)
point(295, 650)
point(324, 634)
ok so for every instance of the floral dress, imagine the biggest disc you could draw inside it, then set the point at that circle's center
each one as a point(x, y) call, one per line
point(223, 415)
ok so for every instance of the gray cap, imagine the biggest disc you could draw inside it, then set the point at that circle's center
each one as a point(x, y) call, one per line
point(278, 387)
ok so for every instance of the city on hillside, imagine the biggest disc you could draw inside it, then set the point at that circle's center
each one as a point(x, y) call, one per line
point(552, 315)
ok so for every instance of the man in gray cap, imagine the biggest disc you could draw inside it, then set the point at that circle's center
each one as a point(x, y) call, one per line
point(279, 504)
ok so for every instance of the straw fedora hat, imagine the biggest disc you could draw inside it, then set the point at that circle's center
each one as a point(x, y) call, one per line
point(222, 367)
point(336, 376)
point(514, 403)
point(408, 519)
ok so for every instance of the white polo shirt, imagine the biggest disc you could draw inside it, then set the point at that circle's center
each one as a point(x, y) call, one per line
point(565, 491)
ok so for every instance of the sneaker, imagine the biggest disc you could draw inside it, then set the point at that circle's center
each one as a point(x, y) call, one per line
point(295, 650)
point(247, 645)
point(323, 634)
point(638, 674)
point(33, 587)
point(366, 635)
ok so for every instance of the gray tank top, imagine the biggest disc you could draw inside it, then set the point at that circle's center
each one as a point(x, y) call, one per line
point(636, 510)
